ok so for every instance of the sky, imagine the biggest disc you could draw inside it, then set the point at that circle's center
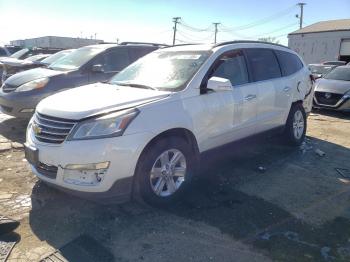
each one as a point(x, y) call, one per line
point(151, 20)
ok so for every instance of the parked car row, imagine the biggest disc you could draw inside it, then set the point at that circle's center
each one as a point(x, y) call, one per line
point(22, 56)
point(21, 93)
point(142, 130)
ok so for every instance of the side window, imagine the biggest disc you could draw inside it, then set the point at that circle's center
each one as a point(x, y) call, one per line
point(2, 52)
point(116, 60)
point(289, 62)
point(231, 66)
point(138, 52)
point(263, 64)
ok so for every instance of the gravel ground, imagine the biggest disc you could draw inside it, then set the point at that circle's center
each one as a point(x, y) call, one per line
point(294, 208)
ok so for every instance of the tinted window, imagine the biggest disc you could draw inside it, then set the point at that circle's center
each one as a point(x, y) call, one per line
point(263, 64)
point(116, 60)
point(232, 66)
point(2, 52)
point(289, 62)
point(136, 53)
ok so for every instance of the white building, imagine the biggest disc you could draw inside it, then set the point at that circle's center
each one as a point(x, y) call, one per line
point(55, 42)
point(322, 41)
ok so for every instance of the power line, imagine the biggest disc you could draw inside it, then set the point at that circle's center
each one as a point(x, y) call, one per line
point(192, 28)
point(262, 21)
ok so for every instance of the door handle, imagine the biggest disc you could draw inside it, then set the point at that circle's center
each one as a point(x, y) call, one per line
point(286, 89)
point(249, 97)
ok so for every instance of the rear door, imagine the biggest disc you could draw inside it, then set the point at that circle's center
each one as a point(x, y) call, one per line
point(293, 81)
point(229, 115)
point(266, 74)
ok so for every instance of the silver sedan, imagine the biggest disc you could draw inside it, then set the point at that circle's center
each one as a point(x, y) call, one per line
point(333, 91)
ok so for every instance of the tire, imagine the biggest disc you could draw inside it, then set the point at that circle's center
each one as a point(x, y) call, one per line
point(296, 125)
point(154, 176)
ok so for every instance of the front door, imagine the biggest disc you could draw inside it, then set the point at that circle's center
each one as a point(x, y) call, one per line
point(228, 115)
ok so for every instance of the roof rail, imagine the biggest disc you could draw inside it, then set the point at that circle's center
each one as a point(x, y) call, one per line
point(179, 45)
point(247, 41)
point(142, 43)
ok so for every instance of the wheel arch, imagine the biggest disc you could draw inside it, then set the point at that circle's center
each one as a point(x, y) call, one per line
point(183, 133)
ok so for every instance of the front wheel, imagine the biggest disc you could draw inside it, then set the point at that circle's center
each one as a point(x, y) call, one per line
point(165, 170)
point(295, 129)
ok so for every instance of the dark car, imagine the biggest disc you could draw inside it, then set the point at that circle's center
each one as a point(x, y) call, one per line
point(20, 94)
point(333, 91)
point(319, 70)
point(15, 66)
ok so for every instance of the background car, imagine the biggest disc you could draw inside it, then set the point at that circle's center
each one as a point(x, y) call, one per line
point(333, 90)
point(21, 93)
point(41, 60)
point(319, 70)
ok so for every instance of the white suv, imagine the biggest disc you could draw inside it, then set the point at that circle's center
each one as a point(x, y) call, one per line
point(145, 130)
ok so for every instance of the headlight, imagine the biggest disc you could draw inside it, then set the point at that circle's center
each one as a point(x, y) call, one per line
point(106, 126)
point(35, 84)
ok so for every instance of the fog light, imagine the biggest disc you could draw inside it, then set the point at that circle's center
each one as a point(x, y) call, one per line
point(96, 166)
point(85, 174)
point(27, 110)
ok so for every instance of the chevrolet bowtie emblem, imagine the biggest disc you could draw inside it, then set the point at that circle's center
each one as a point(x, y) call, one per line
point(37, 129)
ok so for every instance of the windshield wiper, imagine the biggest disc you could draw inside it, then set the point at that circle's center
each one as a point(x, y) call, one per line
point(135, 85)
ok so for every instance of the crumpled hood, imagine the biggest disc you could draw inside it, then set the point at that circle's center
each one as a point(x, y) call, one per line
point(332, 86)
point(89, 100)
point(30, 75)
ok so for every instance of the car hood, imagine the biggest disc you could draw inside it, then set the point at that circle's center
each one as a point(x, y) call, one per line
point(30, 75)
point(332, 86)
point(16, 62)
point(89, 100)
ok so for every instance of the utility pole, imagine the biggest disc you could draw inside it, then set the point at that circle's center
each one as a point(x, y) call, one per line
point(301, 16)
point(216, 31)
point(176, 21)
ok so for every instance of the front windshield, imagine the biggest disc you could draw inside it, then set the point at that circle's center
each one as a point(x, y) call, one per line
point(55, 57)
point(163, 70)
point(321, 69)
point(75, 59)
point(339, 73)
point(19, 53)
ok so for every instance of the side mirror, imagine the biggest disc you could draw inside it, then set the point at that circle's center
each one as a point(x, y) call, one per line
point(218, 84)
point(97, 68)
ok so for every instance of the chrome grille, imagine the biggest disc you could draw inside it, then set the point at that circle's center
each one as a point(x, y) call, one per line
point(8, 88)
point(52, 130)
point(331, 100)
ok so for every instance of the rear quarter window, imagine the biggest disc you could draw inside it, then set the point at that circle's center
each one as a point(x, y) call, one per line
point(290, 63)
point(263, 64)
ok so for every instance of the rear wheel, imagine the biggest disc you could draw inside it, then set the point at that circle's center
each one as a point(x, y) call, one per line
point(295, 129)
point(165, 170)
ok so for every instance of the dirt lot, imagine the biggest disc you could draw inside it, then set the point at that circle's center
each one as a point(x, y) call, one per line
point(296, 209)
